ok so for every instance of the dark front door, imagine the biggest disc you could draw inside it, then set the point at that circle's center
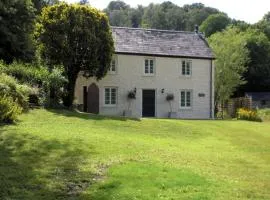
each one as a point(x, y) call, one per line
point(149, 102)
point(93, 99)
point(84, 98)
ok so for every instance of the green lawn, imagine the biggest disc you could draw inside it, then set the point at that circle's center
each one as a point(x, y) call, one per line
point(67, 155)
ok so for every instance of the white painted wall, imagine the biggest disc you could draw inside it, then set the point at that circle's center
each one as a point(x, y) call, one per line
point(130, 74)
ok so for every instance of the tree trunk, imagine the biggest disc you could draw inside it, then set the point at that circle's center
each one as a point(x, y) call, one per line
point(68, 96)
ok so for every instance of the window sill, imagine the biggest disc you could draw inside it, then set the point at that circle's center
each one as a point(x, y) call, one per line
point(148, 74)
point(185, 108)
point(110, 106)
point(185, 76)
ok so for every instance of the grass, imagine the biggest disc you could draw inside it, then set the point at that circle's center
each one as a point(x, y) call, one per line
point(54, 154)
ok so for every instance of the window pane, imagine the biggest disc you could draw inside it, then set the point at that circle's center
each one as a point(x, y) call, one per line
point(188, 67)
point(188, 100)
point(151, 66)
point(146, 71)
point(152, 63)
point(182, 99)
point(151, 69)
point(107, 95)
point(146, 63)
point(113, 96)
point(183, 67)
point(113, 65)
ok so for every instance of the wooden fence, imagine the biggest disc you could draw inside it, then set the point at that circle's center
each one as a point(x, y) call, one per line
point(234, 104)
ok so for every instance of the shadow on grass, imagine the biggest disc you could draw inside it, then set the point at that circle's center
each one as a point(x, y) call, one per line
point(32, 168)
point(89, 116)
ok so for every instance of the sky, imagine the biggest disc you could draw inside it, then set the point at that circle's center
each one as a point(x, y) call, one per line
point(250, 11)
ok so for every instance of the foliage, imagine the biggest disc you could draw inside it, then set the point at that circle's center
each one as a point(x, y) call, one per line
point(264, 114)
point(47, 85)
point(258, 70)
point(231, 60)
point(223, 115)
point(9, 87)
point(9, 109)
point(215, 23)
point(31, 74)
point(53, 88)
point(39, 4)
point(17, 18)
point(94, 157)
point(246, 114)
point(264, 25)
point(160, 16)
point(77, 37)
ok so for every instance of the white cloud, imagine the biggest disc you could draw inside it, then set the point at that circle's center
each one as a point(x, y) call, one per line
point(248, 10)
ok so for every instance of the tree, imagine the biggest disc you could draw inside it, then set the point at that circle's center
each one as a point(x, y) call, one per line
point(117, 5)
point(258, 70)
point(231, 62)
point(77, 37)
point(264, 24)
point(215, 23)
point(16, 26)
point(196, 14)
point(39, 4)
point(84, 2)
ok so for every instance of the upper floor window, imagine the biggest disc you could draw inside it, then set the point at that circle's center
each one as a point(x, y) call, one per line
point(149, 66)
point(110, 94)
point(113, 66)
point(185, 98)
point(186, 67)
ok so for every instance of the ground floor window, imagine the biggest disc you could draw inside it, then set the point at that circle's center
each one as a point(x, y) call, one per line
point(110, 96)
point(185, 99)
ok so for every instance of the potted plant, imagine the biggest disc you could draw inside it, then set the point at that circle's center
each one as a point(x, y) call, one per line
point(170, 98)
point(130, 96)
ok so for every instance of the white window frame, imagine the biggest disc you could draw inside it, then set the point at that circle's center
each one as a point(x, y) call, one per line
point(148, 66)
point(191, 99)
point(186, 67)
point(115, 60)
point(110, 104)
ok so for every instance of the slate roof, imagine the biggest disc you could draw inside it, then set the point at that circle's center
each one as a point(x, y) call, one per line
point(160, 43)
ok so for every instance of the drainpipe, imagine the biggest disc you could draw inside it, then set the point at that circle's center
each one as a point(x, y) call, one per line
point(211, 90)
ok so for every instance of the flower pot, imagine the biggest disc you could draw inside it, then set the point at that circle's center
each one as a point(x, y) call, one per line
point(172, 115)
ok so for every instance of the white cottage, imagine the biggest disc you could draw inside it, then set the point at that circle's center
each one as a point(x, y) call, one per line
point(153, 63)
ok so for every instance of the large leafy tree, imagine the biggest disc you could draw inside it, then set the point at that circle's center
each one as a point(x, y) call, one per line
point(231, 61)
point(264, 24)
point(215, 23)
point(77, 37)
point(258, 71)
point(16, 26)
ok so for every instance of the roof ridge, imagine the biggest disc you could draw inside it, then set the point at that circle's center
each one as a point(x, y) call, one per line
point(151, 29)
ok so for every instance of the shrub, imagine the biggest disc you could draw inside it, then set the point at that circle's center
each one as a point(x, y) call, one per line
point(223, 115)
point(47, 84)
point(26, 72)
point(9, 109)
point(9, 87)
point(264, 114)
point(53, 88)
point(246, 114)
